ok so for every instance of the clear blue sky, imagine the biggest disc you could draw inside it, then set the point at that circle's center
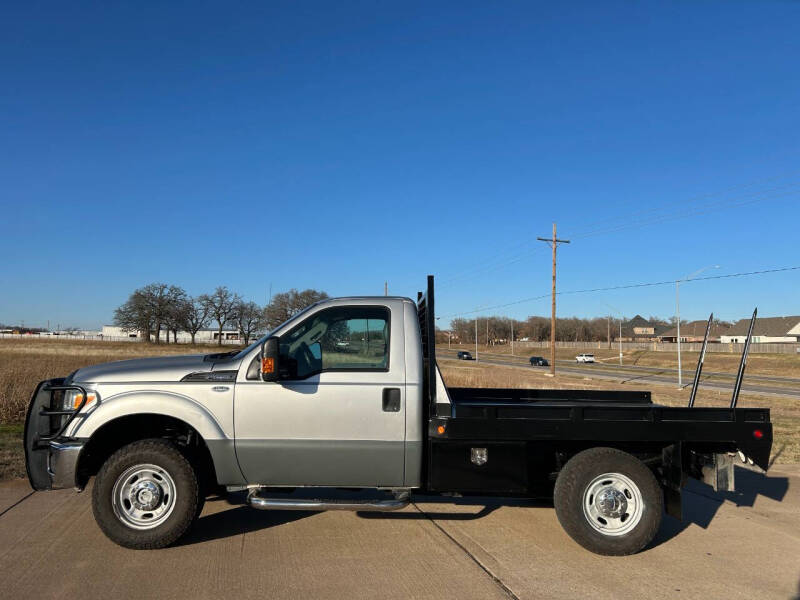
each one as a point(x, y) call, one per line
point(337, 145)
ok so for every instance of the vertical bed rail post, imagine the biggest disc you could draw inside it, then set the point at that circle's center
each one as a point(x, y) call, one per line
point(430, 325)
point(743, 363)
point(427, 326)
point(700, 361)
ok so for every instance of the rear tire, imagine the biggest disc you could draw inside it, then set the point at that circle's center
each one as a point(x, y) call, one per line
point(146, 495)
point(608, 501)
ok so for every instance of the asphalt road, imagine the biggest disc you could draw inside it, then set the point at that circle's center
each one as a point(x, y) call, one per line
point(633, 374)
point(50, 547)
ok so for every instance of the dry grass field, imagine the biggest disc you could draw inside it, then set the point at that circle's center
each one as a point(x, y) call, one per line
point(24, 363)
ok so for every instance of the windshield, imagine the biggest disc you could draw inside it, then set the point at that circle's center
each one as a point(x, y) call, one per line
point(259, 341)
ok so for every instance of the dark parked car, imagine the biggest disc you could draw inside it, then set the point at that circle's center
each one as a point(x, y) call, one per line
point(539, 361)
point(463, 355)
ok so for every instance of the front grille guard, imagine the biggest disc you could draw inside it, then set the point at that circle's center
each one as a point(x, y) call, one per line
point(44, 440)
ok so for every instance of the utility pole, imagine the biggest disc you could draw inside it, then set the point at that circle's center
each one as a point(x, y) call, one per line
point(553, 244)
point(609, 332)
point(487, 334)
point(512, 337)
point(385, 288)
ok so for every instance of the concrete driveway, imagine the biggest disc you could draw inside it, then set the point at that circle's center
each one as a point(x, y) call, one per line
point(50, 547)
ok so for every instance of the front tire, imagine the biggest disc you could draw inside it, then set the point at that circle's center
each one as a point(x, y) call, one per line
point(608, 501)
point(146, 495)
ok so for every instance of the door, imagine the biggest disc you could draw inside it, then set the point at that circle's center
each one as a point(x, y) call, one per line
point(338, 418)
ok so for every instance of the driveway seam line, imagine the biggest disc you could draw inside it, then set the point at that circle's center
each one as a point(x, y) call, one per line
point(464, 549)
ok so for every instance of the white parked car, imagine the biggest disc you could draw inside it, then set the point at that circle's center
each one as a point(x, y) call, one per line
point(584, 358)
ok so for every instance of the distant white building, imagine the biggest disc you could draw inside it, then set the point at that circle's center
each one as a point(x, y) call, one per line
point(204, 336)
point(114, 331)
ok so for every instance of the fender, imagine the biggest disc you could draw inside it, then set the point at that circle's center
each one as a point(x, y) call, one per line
point(165, 403)
point(169, 404)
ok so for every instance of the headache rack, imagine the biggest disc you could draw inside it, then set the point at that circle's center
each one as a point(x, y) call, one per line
point(427, 328)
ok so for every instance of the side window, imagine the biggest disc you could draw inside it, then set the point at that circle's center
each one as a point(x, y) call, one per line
point(348, 338)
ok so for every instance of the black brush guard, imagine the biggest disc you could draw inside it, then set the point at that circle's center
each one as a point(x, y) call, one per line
point(46, 422)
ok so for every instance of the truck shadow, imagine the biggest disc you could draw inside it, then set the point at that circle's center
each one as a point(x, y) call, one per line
point(487, 506)
point(700, 506)
point(228, 522)
point(701, 502)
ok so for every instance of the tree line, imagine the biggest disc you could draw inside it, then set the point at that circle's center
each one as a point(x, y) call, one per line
point(537, 329)
point(161, 307)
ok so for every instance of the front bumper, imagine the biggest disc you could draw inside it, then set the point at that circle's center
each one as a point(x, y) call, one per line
point(62, 464)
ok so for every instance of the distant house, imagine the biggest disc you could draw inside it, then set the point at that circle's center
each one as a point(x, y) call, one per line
point(765, 331)
point(694, 331)
point(639, 329)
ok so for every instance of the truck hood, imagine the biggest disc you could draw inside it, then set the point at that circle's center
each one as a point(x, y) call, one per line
point(161, 369)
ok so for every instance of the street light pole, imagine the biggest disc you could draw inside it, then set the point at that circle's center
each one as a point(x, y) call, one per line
point(678, 317)
point(476, 339)
point(619, 339)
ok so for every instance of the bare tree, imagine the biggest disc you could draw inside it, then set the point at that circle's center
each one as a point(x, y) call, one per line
point(174, 317)
point(148, 308)
point(135, 315)
point(288, 304)
point(221, 307)
point(194, 314)
point(249, 318)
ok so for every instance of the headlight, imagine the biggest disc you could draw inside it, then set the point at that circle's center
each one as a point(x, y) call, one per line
point(73, 398)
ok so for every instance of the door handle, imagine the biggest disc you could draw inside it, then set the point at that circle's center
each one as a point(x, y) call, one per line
point(391, 399)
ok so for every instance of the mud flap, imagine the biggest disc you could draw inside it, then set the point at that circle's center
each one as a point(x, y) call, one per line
point(718, 473)
point(674, 478)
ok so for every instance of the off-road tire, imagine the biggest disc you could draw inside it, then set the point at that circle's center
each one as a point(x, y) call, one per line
point(568, 498)
point(187, 494)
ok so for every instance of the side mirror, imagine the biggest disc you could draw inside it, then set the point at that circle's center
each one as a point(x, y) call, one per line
point(270, 359)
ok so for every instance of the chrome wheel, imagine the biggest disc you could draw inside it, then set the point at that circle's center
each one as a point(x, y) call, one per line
point(612, 503)
point(143, 496)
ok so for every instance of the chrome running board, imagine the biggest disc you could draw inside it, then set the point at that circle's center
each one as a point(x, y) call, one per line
point(262, 503)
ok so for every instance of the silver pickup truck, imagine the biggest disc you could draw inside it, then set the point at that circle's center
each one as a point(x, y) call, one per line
point(347, 394)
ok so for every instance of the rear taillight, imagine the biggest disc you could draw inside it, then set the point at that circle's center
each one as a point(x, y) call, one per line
point(758, 434)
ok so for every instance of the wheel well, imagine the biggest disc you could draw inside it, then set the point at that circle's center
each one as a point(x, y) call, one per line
point(650, 453)
point(124, 430)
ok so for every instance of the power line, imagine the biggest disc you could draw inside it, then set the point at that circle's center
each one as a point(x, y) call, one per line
point(626, 287)
point(667, 213)
point(700, 210)
point(695, 199)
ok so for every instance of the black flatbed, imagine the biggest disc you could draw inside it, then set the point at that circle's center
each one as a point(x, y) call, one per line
point(530, 428)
